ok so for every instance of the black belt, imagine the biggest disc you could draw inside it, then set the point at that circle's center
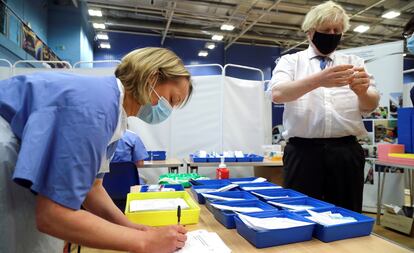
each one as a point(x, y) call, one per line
point(322, 141)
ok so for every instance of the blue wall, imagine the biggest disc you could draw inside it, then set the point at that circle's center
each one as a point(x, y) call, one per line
point(34, 12)
point(63, 28)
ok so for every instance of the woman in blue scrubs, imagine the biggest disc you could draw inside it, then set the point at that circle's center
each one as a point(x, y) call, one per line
point(57, 134)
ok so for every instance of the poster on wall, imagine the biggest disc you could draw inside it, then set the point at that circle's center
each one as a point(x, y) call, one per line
point(29, 40)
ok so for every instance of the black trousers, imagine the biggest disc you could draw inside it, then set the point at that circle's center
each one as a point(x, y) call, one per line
point(329, 169)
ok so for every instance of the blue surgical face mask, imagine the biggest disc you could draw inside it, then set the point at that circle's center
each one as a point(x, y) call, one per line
point(410, 44)
point(155, 114)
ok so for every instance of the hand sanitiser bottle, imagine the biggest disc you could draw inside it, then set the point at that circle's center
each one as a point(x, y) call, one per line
point(222, 172)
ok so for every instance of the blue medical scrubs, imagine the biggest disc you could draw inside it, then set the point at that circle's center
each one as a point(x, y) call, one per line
point(412, 95)
point(54, 132)
point(130, 148)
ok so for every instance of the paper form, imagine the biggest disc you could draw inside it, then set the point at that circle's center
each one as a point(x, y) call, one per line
point(257, 180)
point(211, 196)
point(262, 224)
point(202, 241)
point(269, 197)
point(294, 208)
point(329, 218)
point(238, 208)
point(222, 189)
point(157, 204)
point(252, 188)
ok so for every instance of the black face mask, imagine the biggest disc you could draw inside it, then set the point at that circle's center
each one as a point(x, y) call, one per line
point(326, 43)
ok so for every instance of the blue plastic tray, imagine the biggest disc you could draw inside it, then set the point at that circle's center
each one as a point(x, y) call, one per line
point(318, 204)
point(200, 198)
point(244, 159)
point(226, 217)
point(242, 179)
point(222, 182)
point(278, 194)
point(255, 158)
point(230, 159)
point(213, 159)
point(362, 227)
point(158, 155)
point(177, 187)
point(263, 184)
point(274, 237)
point(230, 194)
point(198, 159)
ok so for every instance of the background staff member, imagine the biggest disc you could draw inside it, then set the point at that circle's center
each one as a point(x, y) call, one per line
point(325, 93)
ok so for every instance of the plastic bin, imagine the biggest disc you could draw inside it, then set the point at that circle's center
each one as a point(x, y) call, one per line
point(176, 187)
point(242, 180)
point(277, 194)
point(163, 218)
point(258, 186)
point(174, 178)
point(274, 237)
point(197, 159)
point(362, 227)
point(230, 194)
point(226, 217)
point(255, 158)
point(158, 155)
point(317, 204)
point(222, 182)
point(199, 197)
point(213, 159)
point(244, 159)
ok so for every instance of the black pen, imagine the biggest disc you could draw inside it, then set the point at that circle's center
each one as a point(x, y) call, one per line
point(179, 214)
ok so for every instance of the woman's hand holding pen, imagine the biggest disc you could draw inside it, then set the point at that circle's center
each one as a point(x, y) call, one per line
point(163, 239)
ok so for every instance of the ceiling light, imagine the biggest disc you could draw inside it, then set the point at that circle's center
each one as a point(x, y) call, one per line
point(227, 27)
point(210, 45)
point(105, 45)
point(99, 25)
point(391, 14)
point(404, 55)
point(95, 13)
point(361, 28)
point(217, 37)
point(203, 53)
point(102, 36)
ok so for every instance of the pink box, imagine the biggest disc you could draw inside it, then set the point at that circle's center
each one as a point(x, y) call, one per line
point(402, 161)
point(385, 149)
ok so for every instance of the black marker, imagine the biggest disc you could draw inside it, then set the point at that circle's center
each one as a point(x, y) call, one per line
point(178, 214)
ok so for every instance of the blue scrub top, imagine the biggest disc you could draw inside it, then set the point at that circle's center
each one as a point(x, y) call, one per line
point(64, 122)
point(130, 148)
point(412, 95)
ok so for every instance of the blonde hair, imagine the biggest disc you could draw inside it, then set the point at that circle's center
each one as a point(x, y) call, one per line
point(142, 68)
point(325, 12)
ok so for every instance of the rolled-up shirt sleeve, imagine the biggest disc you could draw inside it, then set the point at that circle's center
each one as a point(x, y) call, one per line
point(284, 71)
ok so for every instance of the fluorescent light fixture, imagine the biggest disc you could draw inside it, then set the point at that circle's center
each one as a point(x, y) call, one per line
point(391, 14)
point(95, 13)
point(102, 36)
point(227, 27)
point(203, 53)
point(99, 25)
point(404, 55)
point(217, 37)
point(210, 45)
point(361, 28)
point(105, 45)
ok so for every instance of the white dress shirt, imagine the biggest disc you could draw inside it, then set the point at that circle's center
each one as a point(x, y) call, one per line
point(323, 112)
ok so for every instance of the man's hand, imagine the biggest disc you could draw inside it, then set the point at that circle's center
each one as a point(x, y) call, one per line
point(337, 76)
point(361, 82)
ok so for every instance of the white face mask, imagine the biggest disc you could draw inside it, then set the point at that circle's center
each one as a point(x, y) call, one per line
point(155, 114)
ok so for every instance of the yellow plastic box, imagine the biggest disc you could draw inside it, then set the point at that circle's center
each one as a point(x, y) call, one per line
point(163, 218)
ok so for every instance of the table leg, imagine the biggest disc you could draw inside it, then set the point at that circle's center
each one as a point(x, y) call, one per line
point(379, 207)
point(411, 183)
point(174, 170)
point(194, 168)
point(378, 196)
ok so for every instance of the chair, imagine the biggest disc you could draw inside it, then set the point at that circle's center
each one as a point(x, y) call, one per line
point(121, 176)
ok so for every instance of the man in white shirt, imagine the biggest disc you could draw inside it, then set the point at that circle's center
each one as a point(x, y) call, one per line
point(325, 93)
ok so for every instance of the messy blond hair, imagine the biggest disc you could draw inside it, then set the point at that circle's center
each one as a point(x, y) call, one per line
point(142, 68)
point(326, 12)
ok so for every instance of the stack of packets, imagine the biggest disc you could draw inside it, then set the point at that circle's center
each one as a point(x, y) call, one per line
point(263, 224)
point(202, 241)
point(144, 205)
point(329, 218)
